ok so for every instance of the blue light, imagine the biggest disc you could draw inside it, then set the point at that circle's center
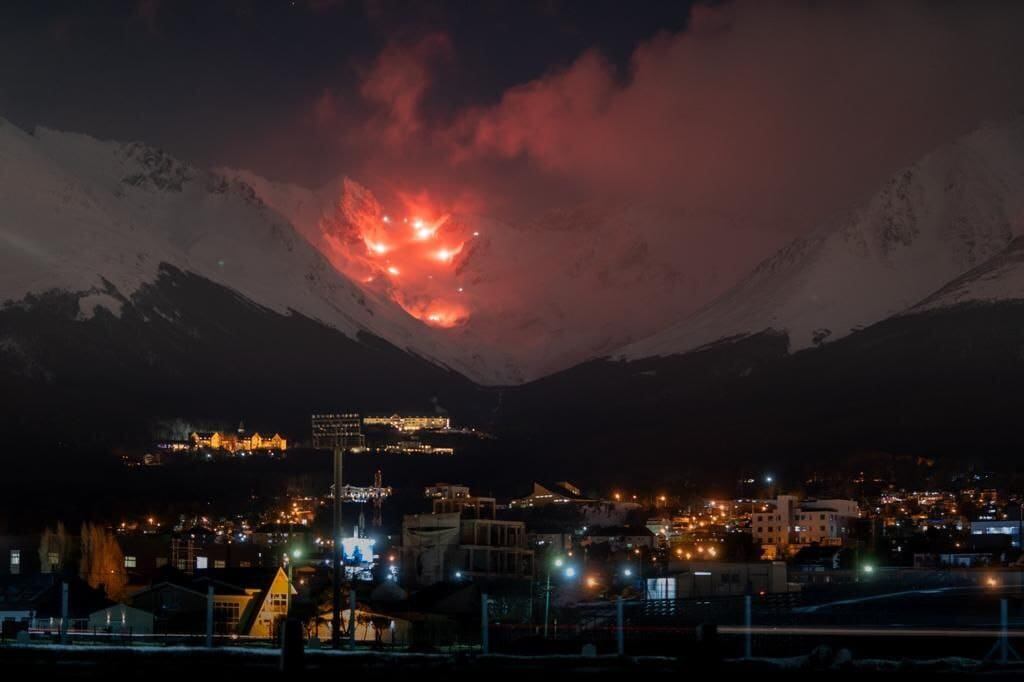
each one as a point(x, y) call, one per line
point(570, 572)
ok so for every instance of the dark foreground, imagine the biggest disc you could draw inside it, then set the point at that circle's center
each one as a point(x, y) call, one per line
point(84, 662)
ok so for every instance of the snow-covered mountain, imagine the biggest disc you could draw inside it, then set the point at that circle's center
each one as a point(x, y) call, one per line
point(100, 219)
point(943, 216)
point(547, 293)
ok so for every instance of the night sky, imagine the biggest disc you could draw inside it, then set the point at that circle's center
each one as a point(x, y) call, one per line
point(221, 80)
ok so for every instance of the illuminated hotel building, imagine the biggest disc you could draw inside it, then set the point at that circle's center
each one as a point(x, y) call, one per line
point(409, 424)
point(215, 440)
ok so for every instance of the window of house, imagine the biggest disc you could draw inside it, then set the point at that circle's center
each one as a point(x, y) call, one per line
point(278, 602)
point(15, 561)
point(53, 560)
point(225, 612)
point(201, 562)
point(219, 563)
point(130, 562)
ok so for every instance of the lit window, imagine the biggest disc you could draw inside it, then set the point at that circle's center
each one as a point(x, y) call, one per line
point(201, 562)
point(130, 562)
point(15, 561)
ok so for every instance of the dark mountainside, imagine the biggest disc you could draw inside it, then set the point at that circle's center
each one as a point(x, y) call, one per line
point(944, 384)
point(187, 348)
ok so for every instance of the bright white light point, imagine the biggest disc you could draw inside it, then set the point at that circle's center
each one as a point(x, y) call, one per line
point(417, 223)
point(423, 233)
point(476, 234)
point(387, 219)
point(393, 270)
point(460, 290)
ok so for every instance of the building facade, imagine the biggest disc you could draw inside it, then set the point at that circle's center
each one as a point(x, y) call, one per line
point(446, 546)
point(410, 424)
point(787, 524)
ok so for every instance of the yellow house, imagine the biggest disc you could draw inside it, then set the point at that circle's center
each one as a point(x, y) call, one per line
point(269, 607)
point(248, 602)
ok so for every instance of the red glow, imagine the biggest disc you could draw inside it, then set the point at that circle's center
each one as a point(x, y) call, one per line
point(410, 255)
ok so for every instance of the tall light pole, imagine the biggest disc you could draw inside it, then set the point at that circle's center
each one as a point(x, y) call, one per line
point(296, 553)
point(336, 605)
point(547, 595)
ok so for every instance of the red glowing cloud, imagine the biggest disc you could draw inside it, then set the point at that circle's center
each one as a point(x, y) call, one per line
point(397, 83)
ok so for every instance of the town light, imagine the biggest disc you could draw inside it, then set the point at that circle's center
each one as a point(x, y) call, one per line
point(868, 568)
point(558, 562)
point(628, 572)
point(570, 572)
point(296, 553)
point(458, 575)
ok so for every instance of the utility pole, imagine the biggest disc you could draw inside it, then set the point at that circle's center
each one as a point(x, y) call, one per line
point(352, 618)
point(748, 622)
point(336, 612)
point(620, 629)
point(209, 616)
point(64, 612)
point(485, 645)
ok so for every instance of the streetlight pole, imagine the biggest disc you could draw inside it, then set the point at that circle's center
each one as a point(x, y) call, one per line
point(337, 550)
point(288, 592)
point(288, 596)
point(547, 597)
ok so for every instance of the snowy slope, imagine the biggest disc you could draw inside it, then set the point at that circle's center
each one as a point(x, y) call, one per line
point(98, 218)
point(1001, 278)
point(944, 215)
point(562, 288)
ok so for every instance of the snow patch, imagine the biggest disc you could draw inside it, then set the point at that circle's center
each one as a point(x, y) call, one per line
point(90, 303)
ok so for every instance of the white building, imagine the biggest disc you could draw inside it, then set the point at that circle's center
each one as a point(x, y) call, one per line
point(998, 527)
point(447, 546)
point(787, 524)
point(692, 579)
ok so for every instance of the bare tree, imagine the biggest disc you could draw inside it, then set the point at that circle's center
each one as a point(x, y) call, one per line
point(102, 564)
